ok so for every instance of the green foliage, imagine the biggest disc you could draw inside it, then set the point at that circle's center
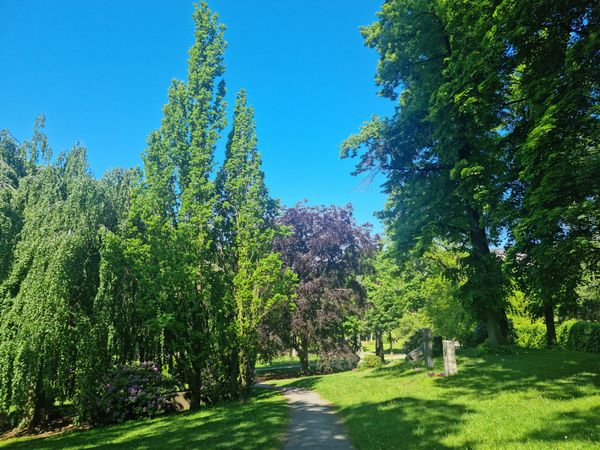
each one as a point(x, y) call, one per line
point(571, 334)
point(495, 132)
point(581, 336)
point(167, 264)
point(47, 299)
point(370, 362)
point(530, 335)
point(442, 161)
point(257, 283)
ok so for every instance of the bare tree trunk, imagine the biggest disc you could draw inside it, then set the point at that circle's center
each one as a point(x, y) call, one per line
point(495, 319)
point(246, 368)
point(234, 373)
point(379, 343)
point(195, 384)
point(550, 327)
point(303, 355)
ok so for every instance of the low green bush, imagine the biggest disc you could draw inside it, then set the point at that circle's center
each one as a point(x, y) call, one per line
point(581, 336)
point(370, 362)
point(530, 335)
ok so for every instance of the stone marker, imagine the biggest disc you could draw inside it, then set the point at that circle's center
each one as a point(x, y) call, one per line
point(361, 353)
point(428, 348)
point(415, 354)
point(450, 357)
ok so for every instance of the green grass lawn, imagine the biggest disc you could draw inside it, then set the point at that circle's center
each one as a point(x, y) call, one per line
point(369, 346)
point(259, 423)
point(283, 367)
point(544, 399)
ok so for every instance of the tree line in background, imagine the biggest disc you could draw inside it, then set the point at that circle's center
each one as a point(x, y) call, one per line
point(494, 142)
point(196, 269)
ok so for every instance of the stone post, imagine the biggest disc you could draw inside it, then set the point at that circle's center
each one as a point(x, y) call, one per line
point(428, 348)
point(450, 357)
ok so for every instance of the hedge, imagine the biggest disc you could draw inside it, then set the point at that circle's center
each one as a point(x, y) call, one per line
point(531, 335)
point(572, 335)
point(582, 336)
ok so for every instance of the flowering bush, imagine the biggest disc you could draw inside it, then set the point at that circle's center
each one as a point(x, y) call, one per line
point(135, 391)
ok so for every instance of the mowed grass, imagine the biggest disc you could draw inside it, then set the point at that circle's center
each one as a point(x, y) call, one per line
point(369, 346)
point(258, 423)
point(544, 399)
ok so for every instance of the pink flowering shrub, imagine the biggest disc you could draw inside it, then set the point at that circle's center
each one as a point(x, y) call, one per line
point(135, 391)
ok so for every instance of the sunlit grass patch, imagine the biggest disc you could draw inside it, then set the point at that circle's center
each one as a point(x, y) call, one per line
point(544, 399)
point(258, 423)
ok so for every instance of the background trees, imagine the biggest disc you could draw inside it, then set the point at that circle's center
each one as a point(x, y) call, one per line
point(327, 251)
point(553, 134)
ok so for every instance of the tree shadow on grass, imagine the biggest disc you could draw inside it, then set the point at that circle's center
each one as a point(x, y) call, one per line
point(254, 424)
point(554, 374)
point(403, 422)
point(398, 423)
point(573, 425)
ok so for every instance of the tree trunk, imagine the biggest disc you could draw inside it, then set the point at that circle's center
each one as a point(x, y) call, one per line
point(303, 356)
point(550, 327)
point(379, 343)
point(37, 404)
point(234, 373)
point(391, 339)
point(195, 384)
point(495, 318)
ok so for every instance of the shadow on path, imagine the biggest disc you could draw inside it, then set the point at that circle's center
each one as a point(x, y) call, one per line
point(313, 424)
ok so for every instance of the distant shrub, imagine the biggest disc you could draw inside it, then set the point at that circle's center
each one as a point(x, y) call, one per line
point(562, 332)
point(370, 362)
point(578, 335)
point(530, 335)
point(414, 341)
point(337, 361)
point(475, 337)
point(135, 391)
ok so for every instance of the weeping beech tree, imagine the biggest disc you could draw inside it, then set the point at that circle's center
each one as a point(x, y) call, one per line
point(47, 298)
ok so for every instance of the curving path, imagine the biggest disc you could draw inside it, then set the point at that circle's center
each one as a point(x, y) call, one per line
point(313, 424)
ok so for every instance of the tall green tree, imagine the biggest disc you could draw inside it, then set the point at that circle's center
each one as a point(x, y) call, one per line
point(440, 151)
point(553, 130)
point(385, 306)
point(256, 283)
point(169, 242)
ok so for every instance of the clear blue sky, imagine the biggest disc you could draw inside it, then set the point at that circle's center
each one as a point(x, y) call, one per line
point(100, 70)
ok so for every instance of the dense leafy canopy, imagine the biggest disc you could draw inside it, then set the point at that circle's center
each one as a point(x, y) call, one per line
point(494, 141)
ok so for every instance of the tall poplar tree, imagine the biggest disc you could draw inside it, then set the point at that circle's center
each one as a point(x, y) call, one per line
point(170, 238)
point(256, 282)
